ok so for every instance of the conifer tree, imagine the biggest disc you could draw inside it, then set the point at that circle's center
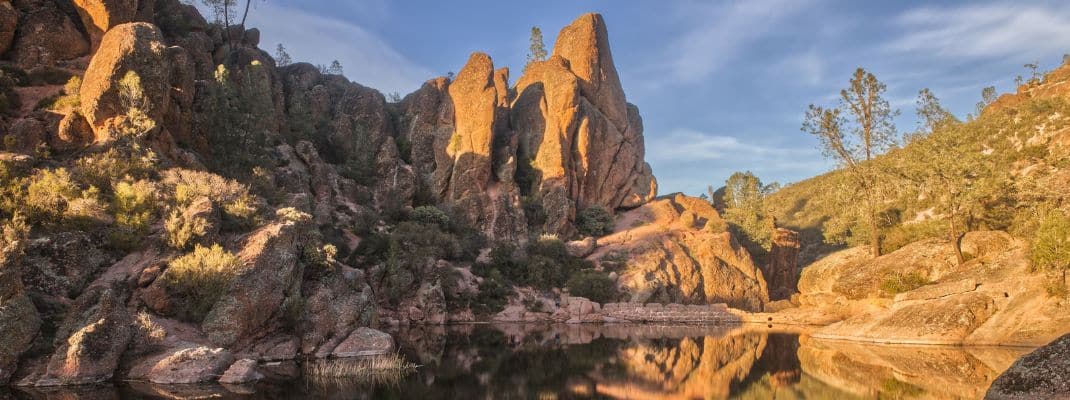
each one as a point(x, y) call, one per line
point(537, 49)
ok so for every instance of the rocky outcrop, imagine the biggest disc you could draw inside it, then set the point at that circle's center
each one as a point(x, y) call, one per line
point(45, 35)
point(63, 264)
point(242, 371)
point(9, 21)
point(19, 321)
point(918, 294)
point(98, 16)
point(782, 271)
point(675, 250)
point(92, 339)
point(133, 47)
point(270, 271)
point(191, 365)
point(365, 342)
point(583, 141)
point(333, 307)
point(1042, 374)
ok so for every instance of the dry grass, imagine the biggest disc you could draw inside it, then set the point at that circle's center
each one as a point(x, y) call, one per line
point(375, 370)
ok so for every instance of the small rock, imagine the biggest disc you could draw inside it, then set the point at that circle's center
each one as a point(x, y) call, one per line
point(191, 365)
point(242, 371)
point(365, 342)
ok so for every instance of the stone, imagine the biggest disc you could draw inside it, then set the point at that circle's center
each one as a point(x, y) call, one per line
point(98, 16)
point(333, 307)
point(1041, 374)
point(74, 133)
point(19, 320)
point(365, 342)
point(191, 365)
point(136, 47)
point(242, 371)
point(269, 256)
point(782, 272)
point(475, 102)
point(581, 248)
point(92, 338)
point(62, 264)
point(45, 35)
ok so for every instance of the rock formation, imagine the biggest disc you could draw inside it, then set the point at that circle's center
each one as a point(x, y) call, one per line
point(1041, 374)
point(782, 271)
point(678, 251)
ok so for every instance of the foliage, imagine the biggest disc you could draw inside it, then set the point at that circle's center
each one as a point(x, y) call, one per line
point(68, 101)
point(134, 206)
point(137, 124)
point(240, 208)
point(594, 285)
point(48, 194)
point(1051, 250)
point(200, 278)
point(537, 49)
point(904, 234)
point(594, 221)
point(901, 283)
point(14, 233)
point(237, 114)
point(183, 230)
point(119, 161)
point(282, 58)
point(546, 265)
point(744, 196)
point(431, 216)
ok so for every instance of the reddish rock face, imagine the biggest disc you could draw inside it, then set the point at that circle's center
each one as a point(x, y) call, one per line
point(98, 16)
point(45, 35)
point(782, 273)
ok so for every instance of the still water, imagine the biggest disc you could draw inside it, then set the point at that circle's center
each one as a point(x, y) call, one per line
point(621, 362)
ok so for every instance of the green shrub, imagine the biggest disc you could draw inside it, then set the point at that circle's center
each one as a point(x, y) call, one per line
point(200, 279)
point(182, 232)
point(901, 283)
point(1051, 243)
point(594, 221)
point(493, 294)
point(240, 210)
point(547, 263)
point(48, 193)
point(594, 285)
point(901, 235)
point(534, 213)
point(118, 162)
point(133, 206)
point(14, 233)
point(431, 216)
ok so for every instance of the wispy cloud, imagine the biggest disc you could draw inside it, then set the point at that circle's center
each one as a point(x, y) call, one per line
point(984, 31)
point(366, 57)
point(714, 34)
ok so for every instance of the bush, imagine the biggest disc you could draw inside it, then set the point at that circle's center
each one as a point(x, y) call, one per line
point(493, 294)
point(547, 264)
point(1051, 243)
point(431, 216)
point(239, 206)
point(13, 234)
point(900, 283)
point(133, 205)
point(48, 193)
point(902, 235)
point(200, 279)
point(116, 163)
point(594, 221)
point(594, 285)
point(183, 231)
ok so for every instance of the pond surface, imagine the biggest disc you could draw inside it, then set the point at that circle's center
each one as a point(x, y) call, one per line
point(622, 362)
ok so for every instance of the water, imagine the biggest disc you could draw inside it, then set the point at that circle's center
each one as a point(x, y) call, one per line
point(625, 362)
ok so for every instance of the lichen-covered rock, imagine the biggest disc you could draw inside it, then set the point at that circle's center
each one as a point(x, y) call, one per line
point(62, 264)
point(333, 307)
point(45, 35)
point(92, 339)
point(74, 133)
point(242, 371)
point(1042, 374)
point(136, 47)
point(191, 365)
point(365, 342)
point(19, 321)
point(581, 248)
point(675, 254)
point(270, 269)
point(782, 271)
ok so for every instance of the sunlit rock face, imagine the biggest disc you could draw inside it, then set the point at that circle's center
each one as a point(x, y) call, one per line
point(675, 250)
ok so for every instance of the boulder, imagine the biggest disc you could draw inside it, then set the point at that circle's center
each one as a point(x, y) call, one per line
point(62, 264)
point(269, 256)
point(45, 35)
point(74, 133)
point(1041, 374)
point(365, 342)
point(581, 248)
point(333, 307)
point(134, 47)
point(191, 365)
point(242, 371)
point(99, 16)
point(92, 338)
point(676, 254)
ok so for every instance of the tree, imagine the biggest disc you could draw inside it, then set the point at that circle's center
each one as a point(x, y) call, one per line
point(931, 115)
point(282, 58)
point(1033, 75)
point(335, 68)
point(988, 96)
point(536, 50)
point(226, 12)
point(854, 142)
point(952, 169)
point(744, 196)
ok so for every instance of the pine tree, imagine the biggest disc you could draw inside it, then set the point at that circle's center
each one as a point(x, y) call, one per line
point(536, 50)
point(335, 68)
point(282, 58)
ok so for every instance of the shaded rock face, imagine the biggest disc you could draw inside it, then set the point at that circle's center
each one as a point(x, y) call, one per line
point(98, 16)
point(782, 272)
point(19, 321)
point(91, 340)
point(333, 308)
point(1042, 374)
point(46, 34)
point(9, 20)
point(62, 265)
point(668, 251)
point(269, 272)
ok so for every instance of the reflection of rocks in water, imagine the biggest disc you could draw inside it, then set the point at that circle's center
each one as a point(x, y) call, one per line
point(85, 392)
point(905, 371)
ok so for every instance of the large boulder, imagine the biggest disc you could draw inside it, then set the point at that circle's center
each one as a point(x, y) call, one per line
point(134, 47)
point(365, 342)
point(1042, 374)
point(269, 272)
point(675, 250)
point(191, 365)
point(46, 35)
point(62, 264)
point(92, 338)
point(333, 307)
point(98, 16)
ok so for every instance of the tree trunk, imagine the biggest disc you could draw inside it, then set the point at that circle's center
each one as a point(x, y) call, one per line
point(956, 239)
point(874, 235)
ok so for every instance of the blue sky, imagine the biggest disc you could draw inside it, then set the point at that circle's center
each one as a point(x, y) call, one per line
point(722, 85)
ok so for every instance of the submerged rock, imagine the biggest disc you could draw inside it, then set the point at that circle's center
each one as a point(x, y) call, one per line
point(1042, 374)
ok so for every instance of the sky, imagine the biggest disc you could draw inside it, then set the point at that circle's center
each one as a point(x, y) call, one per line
point(722, 85)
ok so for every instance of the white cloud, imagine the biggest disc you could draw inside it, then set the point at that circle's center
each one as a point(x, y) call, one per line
point(688, 145)
point(984, 31)
point(366, 57)
point(714, 34)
